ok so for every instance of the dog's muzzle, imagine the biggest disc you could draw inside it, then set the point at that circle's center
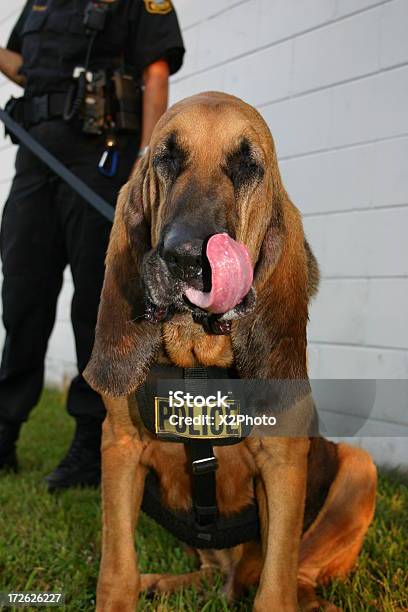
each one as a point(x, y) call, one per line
point(209, 276)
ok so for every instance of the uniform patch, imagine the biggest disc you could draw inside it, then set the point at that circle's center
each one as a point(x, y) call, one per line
point(158, 7)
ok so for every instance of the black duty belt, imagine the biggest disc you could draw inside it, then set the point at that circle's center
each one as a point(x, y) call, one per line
point(43, 108)
point(203, 527)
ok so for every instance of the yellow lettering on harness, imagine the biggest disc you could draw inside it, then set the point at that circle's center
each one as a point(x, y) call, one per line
point(187, 420)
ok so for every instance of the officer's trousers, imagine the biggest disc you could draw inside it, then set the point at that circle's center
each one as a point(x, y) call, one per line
point(46, 227)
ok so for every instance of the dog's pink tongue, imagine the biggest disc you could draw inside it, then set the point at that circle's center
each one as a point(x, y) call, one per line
point(231, 275)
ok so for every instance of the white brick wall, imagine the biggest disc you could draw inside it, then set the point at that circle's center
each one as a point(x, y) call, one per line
point(331, 79)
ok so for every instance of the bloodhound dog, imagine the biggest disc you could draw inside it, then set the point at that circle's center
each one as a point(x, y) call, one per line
point(212, 170)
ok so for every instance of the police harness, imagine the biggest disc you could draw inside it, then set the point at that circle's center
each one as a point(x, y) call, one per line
point(201, 527)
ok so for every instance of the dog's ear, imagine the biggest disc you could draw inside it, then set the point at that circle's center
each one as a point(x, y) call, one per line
point(271, 341)
point(125, 343)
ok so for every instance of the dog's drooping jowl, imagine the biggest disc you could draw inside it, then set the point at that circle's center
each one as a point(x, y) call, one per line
point(208, 267)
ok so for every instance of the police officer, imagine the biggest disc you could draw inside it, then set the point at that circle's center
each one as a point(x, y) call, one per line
point(45, 225)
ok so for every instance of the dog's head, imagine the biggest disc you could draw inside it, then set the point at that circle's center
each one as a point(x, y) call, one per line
point(209, 174)
point(199, 228)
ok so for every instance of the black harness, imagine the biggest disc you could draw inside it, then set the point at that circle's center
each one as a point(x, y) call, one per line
point(202, 527)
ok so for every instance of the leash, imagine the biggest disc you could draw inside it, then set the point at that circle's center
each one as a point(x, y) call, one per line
point(78, 185)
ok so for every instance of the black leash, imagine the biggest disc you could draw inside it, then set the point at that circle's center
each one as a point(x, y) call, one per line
point(57, 167)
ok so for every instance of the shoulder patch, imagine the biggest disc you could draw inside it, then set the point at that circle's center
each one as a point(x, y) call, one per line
point(38, 7)
point(158, 7)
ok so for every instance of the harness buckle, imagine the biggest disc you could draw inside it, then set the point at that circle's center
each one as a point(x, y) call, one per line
point(204, 466)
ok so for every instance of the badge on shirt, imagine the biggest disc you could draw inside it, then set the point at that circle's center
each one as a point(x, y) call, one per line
point(40, 6)
point(158, 7)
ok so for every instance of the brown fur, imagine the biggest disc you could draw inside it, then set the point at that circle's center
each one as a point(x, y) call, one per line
point(301, 485)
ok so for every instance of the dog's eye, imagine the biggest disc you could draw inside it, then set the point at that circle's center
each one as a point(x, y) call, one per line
point(170, 159)
point(243, 167)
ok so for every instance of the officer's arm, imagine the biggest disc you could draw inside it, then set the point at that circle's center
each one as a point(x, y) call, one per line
point(10, 64)
point(155, 97)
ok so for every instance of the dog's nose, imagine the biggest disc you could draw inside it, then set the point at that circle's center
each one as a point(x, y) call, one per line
point(184, 260)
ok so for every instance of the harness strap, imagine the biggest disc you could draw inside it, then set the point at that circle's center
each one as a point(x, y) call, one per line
point(203, 463)
point(203, 467)
point(225, 532)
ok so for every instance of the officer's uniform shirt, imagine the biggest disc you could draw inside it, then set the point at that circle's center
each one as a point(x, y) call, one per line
point(51, 37)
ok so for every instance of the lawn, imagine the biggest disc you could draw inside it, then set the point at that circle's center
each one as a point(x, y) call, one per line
point(52, 542)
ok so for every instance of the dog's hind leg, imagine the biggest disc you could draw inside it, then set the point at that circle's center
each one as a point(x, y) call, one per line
point(330, 546)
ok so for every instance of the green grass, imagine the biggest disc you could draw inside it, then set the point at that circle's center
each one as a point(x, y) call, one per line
point(52, 542)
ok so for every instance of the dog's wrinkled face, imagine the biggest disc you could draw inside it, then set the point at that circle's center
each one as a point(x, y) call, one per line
point(206, 185)
point(204, 228)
